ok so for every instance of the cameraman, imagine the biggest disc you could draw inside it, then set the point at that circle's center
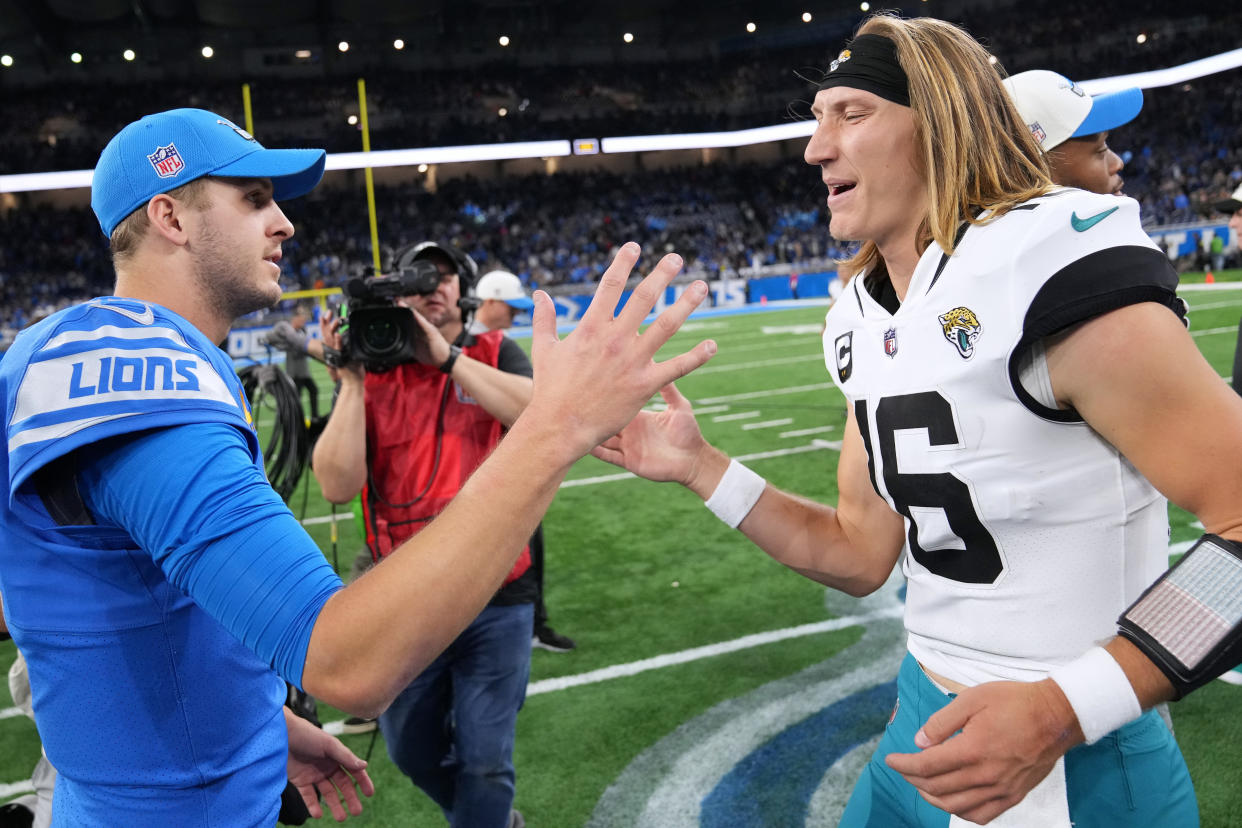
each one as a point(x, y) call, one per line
point(407, 438)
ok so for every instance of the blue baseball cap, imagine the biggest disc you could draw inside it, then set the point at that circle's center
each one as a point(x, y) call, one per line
point(161, 152)
point(1056, 109)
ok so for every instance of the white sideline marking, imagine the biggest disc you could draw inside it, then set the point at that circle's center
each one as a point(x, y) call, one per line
point(762, 363)
point(16, 788)
point(741, 415)
point(753, 395)
point(698, 653)
point(816, 445)
point(10, 712)
point(805, 432)
point(767, 424)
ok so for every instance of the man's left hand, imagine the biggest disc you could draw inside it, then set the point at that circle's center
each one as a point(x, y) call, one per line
point(320, 765)
point(1012, 733)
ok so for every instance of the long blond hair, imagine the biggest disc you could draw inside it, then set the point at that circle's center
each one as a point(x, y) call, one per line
point(977, 154)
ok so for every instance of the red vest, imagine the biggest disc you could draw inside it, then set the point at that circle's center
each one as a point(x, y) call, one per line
point(404, 426)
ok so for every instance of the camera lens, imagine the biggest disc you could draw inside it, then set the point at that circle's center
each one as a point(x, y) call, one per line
point(381, 335)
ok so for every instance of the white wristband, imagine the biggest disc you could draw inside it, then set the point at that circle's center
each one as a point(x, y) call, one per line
point(736, 494)
point(1098, 690)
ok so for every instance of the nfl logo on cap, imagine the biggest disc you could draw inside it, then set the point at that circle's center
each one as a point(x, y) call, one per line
point(167, 161)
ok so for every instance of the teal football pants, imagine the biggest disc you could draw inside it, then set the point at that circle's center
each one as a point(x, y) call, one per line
point(1134, 776)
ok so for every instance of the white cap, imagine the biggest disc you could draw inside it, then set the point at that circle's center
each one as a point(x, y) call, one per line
point(503, 285)
point(1232, 204)
point(1056, 109)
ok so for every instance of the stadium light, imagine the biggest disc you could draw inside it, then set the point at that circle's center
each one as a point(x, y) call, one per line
point(6, 60)
point(750, 27)
point(628, 37)
point(398, 44)
point(208, 52)
point(343, 46)
point(806, 17)
point(503, 111)
point(504, 40)
point(1142, 38)
point(76, 57)
point(128, 54)
point(865, 6)
point(302, 54)
point(352, 120)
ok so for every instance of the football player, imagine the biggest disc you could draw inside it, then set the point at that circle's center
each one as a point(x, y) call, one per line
point(1016, 371)
point(1072, 127)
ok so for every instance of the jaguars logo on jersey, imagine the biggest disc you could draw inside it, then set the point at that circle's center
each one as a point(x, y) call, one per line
point(962, 328)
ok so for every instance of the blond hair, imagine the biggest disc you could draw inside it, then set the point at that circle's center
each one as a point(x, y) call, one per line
point(976, 153)
point(131, 229)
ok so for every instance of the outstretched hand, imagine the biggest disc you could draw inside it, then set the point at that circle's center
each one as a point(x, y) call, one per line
point(1012, 734)
point(658, 445)
point(593, 382)
point(321, 766)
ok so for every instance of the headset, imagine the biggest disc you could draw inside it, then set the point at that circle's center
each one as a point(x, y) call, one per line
point(467, 270)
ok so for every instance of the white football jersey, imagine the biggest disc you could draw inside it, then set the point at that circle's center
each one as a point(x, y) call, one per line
point(1027, 533)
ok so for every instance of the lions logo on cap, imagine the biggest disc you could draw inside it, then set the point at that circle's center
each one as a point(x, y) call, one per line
point(235, 128)
point(841, 58)
point(962, 328)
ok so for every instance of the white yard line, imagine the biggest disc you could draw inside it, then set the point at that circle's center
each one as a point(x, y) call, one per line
point(16, 788)
point(805, 432)
point(762, 363)
point(816, 445)
point(697, 653)
point(757, 395)
point(741, 415)
point(1204, 332)
point(348, 515)
point(784, 421)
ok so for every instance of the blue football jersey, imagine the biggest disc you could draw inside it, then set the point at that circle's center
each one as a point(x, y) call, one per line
point(152, 711)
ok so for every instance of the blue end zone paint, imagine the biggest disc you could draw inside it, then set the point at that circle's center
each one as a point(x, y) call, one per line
point(774, 784)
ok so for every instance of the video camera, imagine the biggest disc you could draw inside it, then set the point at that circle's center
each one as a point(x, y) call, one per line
point(376, 331)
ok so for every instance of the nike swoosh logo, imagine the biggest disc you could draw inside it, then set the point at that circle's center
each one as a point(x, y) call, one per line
point(1083, 225)
point(144, 318)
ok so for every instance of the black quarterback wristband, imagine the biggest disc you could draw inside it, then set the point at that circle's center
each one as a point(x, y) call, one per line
point(1189, 622)
point(446, 367)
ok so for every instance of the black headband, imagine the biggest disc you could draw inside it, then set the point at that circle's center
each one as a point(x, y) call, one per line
point(870, 64)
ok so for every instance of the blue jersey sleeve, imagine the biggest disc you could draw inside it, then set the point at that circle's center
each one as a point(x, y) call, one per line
point(191, 497)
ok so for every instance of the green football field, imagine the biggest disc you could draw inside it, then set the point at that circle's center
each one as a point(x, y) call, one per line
point(697, 655)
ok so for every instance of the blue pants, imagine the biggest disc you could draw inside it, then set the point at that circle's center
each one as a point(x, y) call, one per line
point(1134, 776)
point(451, 731)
